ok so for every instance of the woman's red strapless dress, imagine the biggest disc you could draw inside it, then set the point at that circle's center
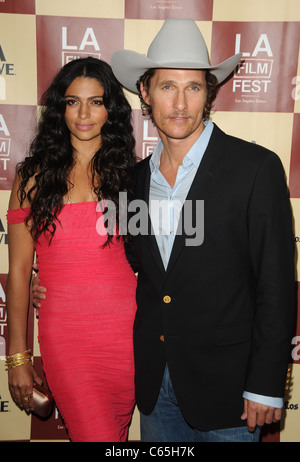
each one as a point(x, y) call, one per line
point(85, 324)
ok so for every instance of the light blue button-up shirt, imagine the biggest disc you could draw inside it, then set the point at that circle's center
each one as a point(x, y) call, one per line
point(165, 219)
point(165, 205)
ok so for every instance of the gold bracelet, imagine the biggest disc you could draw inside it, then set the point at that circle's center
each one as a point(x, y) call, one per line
point(26, 353)
point(18, 359)
point(21, 363)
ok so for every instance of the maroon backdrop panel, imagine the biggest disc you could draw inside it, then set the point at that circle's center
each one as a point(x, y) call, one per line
point(264, 81)
point(61, 39)
point(177, 9)
point(294, 180)
point(15, 136)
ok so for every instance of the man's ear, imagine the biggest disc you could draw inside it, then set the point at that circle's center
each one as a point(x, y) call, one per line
point(144, 93)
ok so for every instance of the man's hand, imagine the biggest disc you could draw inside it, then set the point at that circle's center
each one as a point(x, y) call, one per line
point(38, 292)
point(259, 414)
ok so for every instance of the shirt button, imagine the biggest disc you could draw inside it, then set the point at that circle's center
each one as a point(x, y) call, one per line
point(162, 338)
point(167, 299)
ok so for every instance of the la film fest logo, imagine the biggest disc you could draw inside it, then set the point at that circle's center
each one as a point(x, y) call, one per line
point(5, 145)
point(3, 235)
point(253, 75)
point(253, 78)
point(76, 37)
point(4, 405)
point(71, 51)
point(296, 89)
point(3, 318)
point(6, 69)
point(149, 142)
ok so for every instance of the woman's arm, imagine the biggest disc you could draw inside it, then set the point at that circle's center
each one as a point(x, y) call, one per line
point(21, 252)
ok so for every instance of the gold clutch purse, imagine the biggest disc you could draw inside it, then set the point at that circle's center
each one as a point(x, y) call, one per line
point(43, 402)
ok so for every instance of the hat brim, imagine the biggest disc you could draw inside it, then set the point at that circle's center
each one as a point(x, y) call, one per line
point(128, 66)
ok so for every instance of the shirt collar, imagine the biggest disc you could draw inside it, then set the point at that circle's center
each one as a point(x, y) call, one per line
point(194, 155)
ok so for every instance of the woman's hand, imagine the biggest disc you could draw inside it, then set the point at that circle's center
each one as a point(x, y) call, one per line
point(20, 382)
point(38, 292)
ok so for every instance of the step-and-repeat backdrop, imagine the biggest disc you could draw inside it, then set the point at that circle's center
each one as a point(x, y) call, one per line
point(260, 104)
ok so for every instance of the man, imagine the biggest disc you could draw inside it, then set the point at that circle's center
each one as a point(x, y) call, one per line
point(215, 310)
point(214, 316)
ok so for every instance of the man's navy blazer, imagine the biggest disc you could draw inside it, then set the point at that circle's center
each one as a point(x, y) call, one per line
point(221, 315)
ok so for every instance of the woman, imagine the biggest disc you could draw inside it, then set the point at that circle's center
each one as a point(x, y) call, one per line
point(82, 154)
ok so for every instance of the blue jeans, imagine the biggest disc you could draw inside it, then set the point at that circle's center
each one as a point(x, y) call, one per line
point(167, 424)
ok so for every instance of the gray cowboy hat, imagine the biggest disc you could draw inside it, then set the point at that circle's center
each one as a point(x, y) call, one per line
point(178, 45)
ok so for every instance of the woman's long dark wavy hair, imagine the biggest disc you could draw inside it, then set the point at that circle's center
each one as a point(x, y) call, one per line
point(51, 159)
